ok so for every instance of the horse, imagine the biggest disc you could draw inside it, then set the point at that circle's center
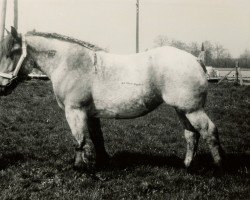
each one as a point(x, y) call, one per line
point(90, 84)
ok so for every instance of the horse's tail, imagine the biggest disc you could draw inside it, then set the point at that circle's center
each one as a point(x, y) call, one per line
point(201, 58)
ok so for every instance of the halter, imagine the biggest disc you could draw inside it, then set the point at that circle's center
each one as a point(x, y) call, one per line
point(13, 75)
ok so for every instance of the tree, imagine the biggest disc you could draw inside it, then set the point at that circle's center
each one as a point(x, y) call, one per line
point(245, 59)
point(219, 51)
point(209, 48)
point(228, 60)
point(245, 54)
point(221, 56)
point(180, 45)
point(161, 40)
point(194, 49)
point(215, 54)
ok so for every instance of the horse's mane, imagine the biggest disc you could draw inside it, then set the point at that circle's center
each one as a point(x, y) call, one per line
point(67, 39)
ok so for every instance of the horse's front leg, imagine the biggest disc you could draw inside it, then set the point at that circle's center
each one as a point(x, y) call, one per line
point(96, 136)
point(77, 120)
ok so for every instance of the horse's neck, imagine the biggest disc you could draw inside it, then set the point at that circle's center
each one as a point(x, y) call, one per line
point(45, 53)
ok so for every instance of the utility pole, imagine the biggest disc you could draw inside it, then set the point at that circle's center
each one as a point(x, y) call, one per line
point(15, 14)
point(2, 19)
point(137, 26)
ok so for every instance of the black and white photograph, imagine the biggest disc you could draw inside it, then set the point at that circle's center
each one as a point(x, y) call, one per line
point(125, 99)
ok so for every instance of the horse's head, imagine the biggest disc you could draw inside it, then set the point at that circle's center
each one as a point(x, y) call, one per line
point(10, 54)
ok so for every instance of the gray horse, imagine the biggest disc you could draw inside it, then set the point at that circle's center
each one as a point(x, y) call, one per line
point(90, 84)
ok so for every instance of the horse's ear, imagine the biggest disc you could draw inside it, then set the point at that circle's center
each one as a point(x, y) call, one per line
point(15, 45)
point(14, 33)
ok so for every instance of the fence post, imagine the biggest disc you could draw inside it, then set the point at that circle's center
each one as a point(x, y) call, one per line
point(15, 14)
point(236, 72)
point(2, 18)
point(240, 76)
point(137, 25)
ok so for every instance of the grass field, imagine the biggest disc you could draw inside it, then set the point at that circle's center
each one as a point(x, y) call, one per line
point(36, 151)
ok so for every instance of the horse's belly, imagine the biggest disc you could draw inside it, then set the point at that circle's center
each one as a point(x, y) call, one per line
point(123, 111)
point(129, 104)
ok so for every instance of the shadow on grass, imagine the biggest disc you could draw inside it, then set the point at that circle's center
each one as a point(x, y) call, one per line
point(203, 163)
point(11, 159)
point(131, 159)
point(15, 158)
point(235, 163)
point(232, 164)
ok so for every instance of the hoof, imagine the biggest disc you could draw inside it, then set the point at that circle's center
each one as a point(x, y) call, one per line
point(80, 165)
point(82, 162)
point(191, 166)
point(83, 167)
point(188, 163)
point(220, 164)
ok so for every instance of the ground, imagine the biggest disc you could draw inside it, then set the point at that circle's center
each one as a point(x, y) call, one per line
point(37, 150)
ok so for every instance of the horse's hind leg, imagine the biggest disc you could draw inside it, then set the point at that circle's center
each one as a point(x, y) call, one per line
point(96, 136)
point(201, 122)
point(77, 120)
point(192, 137)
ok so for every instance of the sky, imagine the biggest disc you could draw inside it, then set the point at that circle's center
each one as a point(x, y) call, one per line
point(111, 24)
